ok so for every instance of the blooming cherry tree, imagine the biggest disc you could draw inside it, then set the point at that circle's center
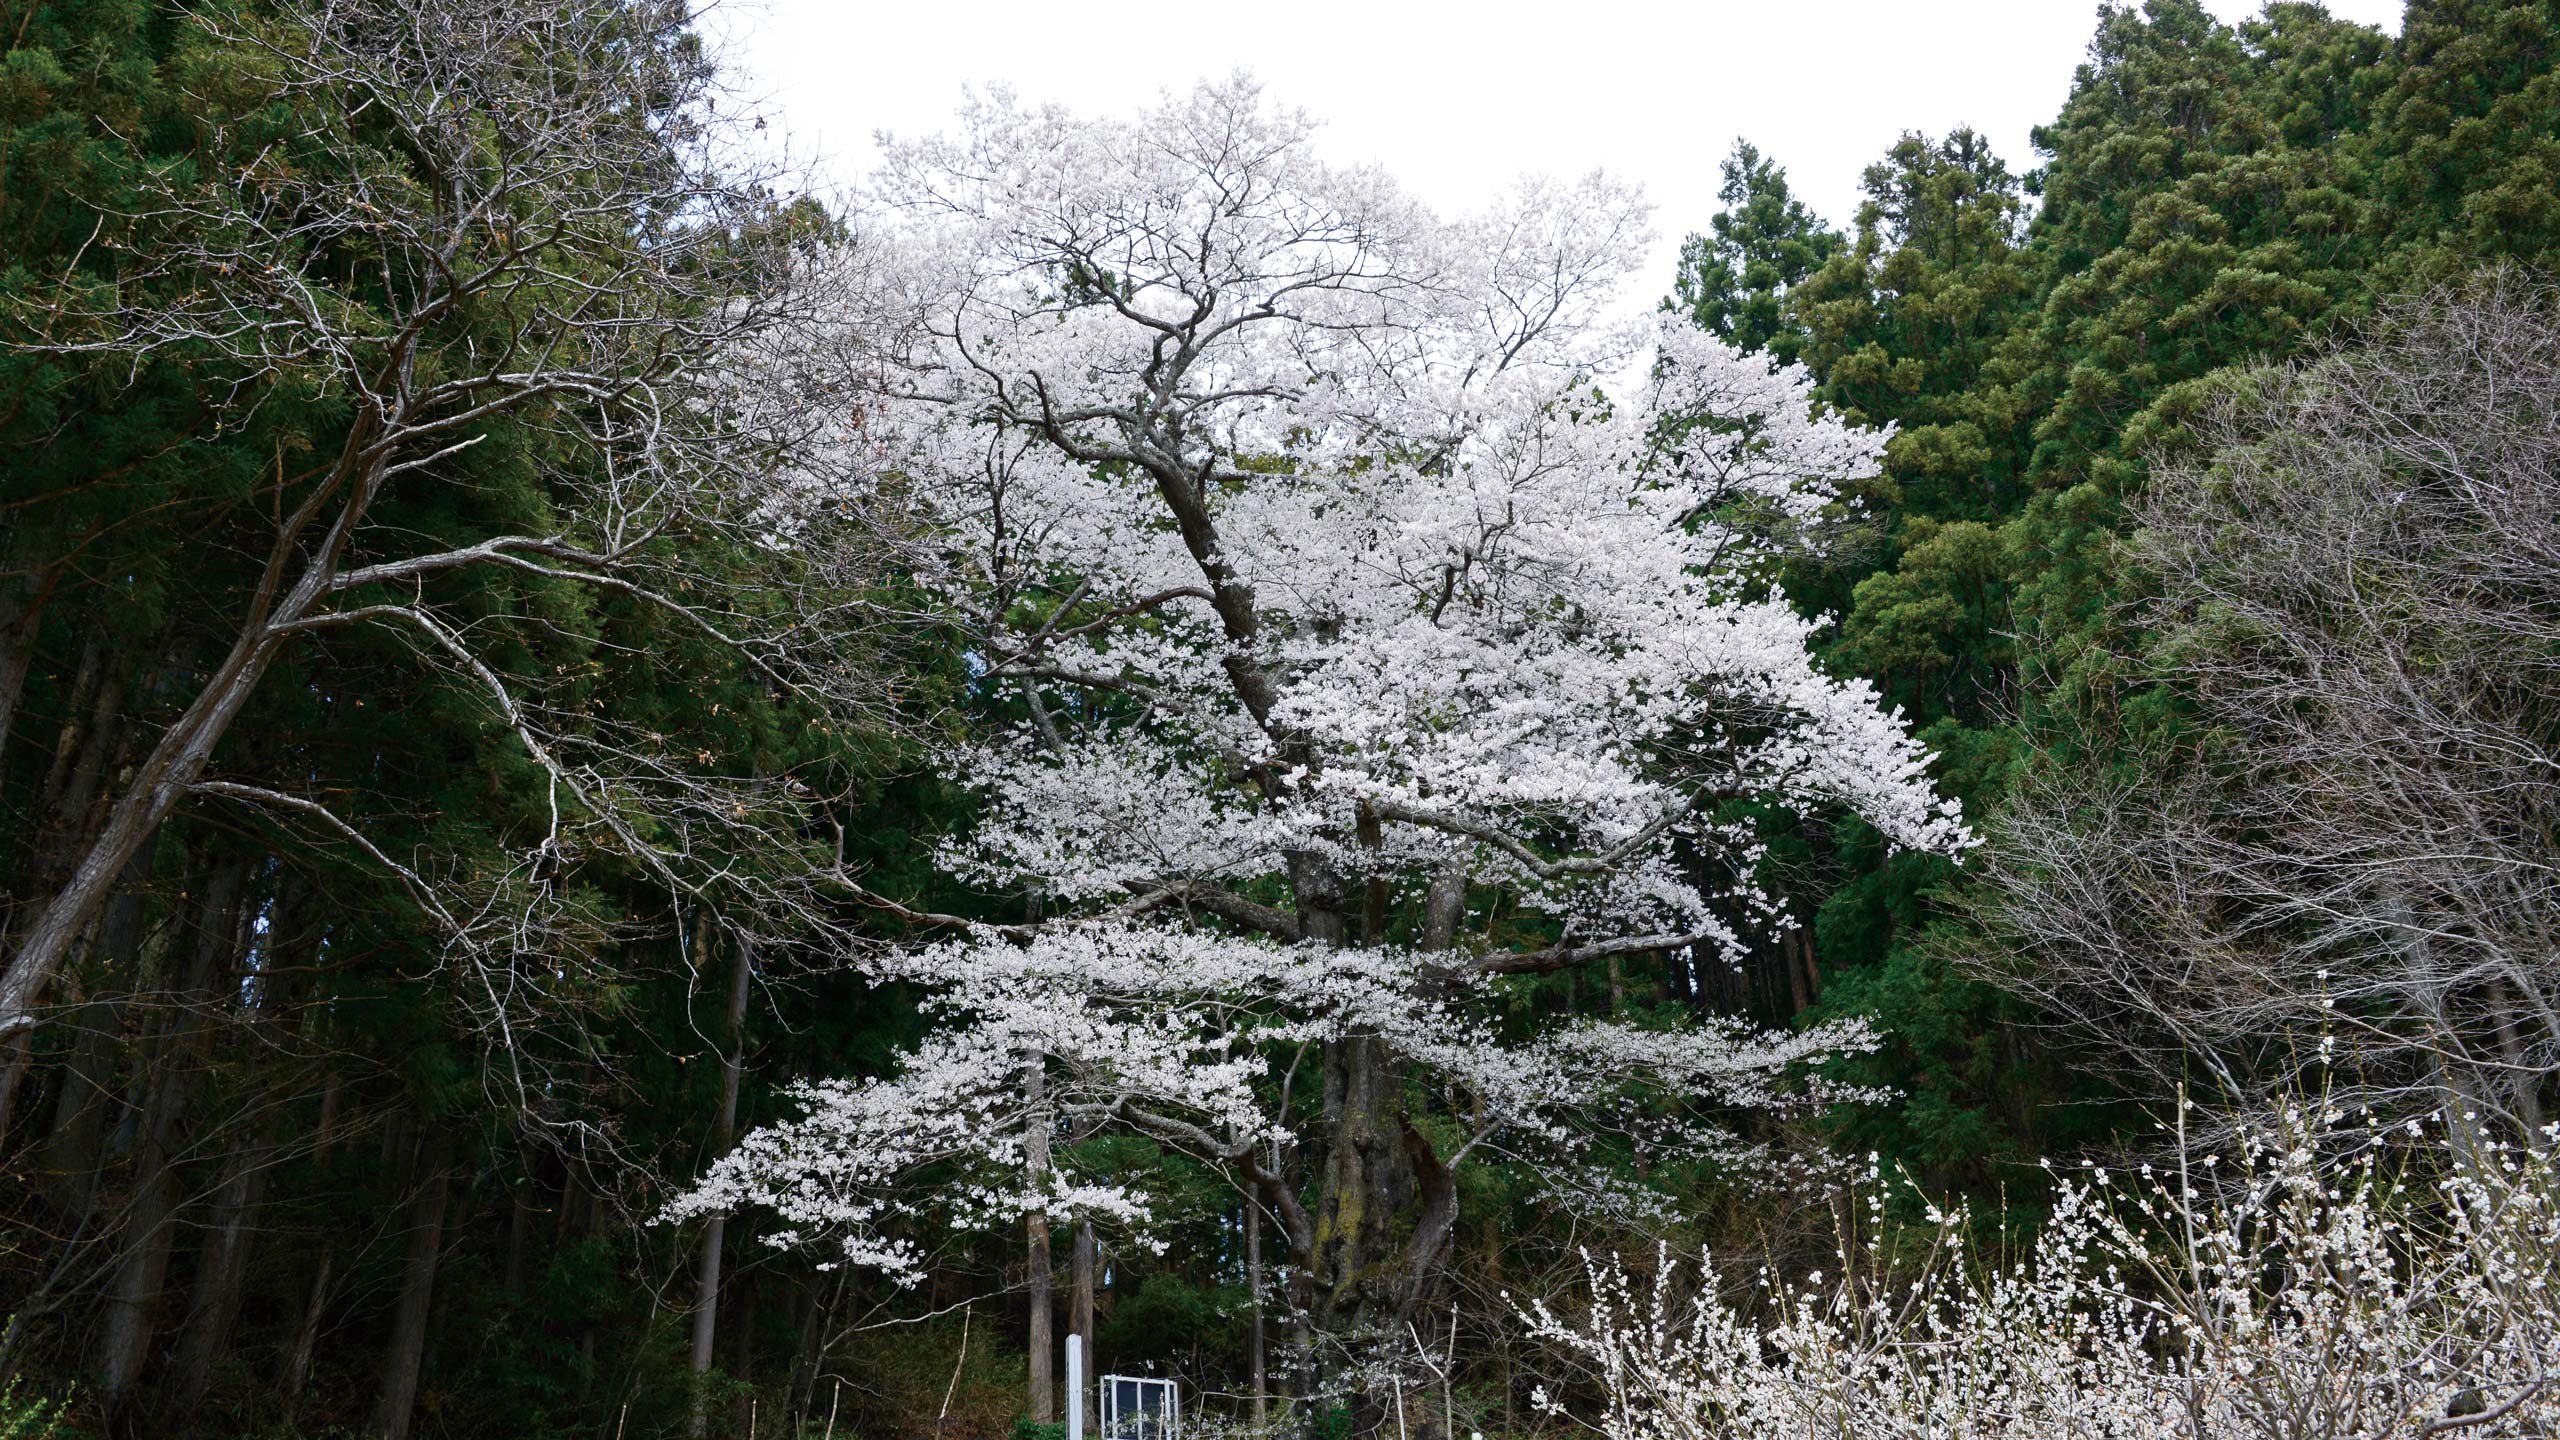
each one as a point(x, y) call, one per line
point(1340, 596)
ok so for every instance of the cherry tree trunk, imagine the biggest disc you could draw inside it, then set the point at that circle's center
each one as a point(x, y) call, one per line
point(1364, 1214)
point(1082, 1277)
point(1366, 1190)
point(1367, 1185)
point(1039, 1342)
point(1253, 1283)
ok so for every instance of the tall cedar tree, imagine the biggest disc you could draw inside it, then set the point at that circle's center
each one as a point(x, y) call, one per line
point(1733, 280)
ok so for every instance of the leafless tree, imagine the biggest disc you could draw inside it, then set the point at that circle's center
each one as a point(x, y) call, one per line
point(2348, 876)
point(490, 220)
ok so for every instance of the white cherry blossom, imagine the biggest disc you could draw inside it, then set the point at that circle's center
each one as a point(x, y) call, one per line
point(1343, 596)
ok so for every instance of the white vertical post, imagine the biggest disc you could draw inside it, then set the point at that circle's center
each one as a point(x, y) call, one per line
point(1075, 1386)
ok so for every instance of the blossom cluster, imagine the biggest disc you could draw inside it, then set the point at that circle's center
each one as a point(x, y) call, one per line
point(1472, 584)
point(2272, 1295)
point(1169, 1031)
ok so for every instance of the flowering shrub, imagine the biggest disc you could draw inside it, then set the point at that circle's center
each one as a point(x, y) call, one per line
point(2406, 1294)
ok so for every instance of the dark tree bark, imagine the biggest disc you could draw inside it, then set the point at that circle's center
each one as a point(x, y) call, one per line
point(13, 1078)
point(1368, 1184)
point(724, 1126)
point(73, 1153)
point(306, 1336)
point(289, 943)
point(21, 608)
point(1039, 1342)
point(222, 1268)
point(404, 1358)
point(744, 1294)
point(520, 1210)
point(134, 1296)
point(1081, 1276)
point(1253, 1283)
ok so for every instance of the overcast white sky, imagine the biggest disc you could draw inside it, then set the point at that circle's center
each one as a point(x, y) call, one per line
point(1456, 99)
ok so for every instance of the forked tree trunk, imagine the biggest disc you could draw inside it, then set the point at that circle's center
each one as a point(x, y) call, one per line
point(404, 1358)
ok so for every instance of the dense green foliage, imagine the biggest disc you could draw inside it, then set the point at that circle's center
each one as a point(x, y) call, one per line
point(2211, 197)
point(260, 1072)
point(1734, 279)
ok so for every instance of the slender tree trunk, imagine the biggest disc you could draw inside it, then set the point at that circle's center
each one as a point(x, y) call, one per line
point(520, 1210)
point(306, 1336)
point(706, 1311)
point(21, 608)
point(1043, 1381)
point(2524, 1078)
point(279, 949)
point(1253, 1286)
point(404, 1359)
point(1804, 980)
point(817, 1341)
point(1496, 1284)
point(13, 1078)
point(19, 611)
point(1081, 1275)
point(134, 1296)
point(576, 1206)
point(324, 1134)
point(315, 1305)
point(745, 1291)
point(222, 1269)
point(804, 1352)
point(706, 1299)
point(90, 728)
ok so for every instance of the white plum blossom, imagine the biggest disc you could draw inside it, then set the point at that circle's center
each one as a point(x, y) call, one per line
point(2411, 1296)
point(1341, 598)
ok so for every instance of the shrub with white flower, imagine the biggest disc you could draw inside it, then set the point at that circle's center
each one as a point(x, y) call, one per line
point(2412, 1292)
